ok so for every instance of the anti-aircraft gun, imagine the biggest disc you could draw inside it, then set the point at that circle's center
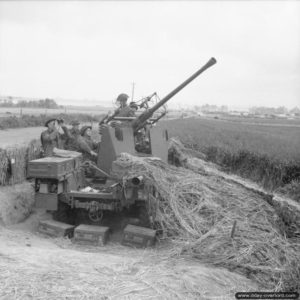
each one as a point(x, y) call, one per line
point(66, 193)
point(124, 139)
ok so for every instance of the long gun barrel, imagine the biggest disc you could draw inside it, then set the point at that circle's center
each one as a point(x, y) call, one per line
point(140, 121)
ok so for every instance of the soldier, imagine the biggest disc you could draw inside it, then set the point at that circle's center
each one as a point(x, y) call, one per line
point(86, 133)
point(75, 142)
point(124, 110)
point(50, 138)
point(72, 136)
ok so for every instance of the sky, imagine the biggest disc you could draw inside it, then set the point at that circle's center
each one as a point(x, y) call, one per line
point(88, 52)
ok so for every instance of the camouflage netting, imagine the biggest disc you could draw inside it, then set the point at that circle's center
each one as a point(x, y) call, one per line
point(198, 210)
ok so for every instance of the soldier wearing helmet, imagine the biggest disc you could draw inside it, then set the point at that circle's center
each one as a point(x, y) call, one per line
point(50, 138)
point(92, 146)
point(72, 136)
point(122, 99)
point(54, 136)
point(124, 109)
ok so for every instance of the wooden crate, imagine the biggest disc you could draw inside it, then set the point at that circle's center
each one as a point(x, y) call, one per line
point(50, 167)
point(56, 229)
point(91, 235)
point(139, 237)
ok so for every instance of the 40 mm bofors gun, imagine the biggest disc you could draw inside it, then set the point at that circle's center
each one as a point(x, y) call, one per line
point(61, 187)
point(137, 135)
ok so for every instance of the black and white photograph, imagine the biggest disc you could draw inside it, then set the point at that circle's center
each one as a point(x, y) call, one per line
point(149, 149)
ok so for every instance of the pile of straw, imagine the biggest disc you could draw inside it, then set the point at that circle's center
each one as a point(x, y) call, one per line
point(14, 161)
point(219, 222)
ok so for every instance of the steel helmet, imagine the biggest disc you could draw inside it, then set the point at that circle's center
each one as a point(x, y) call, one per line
point(122, 98)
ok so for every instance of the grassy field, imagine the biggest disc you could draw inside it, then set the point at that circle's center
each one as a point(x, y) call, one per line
point(278, 142)
point(267, 154)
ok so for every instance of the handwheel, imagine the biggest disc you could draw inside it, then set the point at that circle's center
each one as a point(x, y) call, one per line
point(96, 215)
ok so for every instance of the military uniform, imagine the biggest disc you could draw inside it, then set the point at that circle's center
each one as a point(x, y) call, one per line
point(125, 111)
point(91, 145)
point(72, 136)
point(51, 139)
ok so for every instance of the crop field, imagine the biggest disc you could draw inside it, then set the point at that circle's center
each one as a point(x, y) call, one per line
point(267, 154)
point(295, 121)
point(277, 140)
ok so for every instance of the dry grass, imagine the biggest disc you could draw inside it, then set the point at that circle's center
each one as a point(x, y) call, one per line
point(16, 202)
point(14, 160)
point(198, 212)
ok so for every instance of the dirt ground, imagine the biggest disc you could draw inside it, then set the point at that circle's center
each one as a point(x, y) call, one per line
point(34, 266)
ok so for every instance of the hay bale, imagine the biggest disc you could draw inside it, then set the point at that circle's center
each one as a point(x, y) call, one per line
point(198, 211)
point(16, 202)
point(3, 166)
point(17, 160)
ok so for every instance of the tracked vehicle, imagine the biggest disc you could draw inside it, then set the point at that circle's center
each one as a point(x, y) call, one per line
point(63, 187)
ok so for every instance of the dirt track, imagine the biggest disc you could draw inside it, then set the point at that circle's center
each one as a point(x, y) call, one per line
point(33, 266)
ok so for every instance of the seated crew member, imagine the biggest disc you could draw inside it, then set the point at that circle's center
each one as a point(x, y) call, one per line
point(71, 142)
point(86, 133)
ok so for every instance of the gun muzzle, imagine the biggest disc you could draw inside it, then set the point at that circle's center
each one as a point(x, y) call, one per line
point(137, 180)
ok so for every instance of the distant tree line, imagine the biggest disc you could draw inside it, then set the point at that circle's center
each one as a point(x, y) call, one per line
point(43, 103)
point(256, 110)
point(211, 108)
point(281, 110)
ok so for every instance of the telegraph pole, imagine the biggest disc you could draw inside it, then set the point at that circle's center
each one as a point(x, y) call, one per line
point(132, 91)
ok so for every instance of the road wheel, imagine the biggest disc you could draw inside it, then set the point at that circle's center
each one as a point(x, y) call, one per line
point(83, 216)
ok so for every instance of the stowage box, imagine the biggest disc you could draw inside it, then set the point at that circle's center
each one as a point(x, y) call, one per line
point(139, 237)
point(56, 229)
point(91, 235)
point(50, 167)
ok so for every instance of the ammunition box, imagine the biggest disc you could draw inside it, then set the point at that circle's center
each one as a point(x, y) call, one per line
point(56, 229)
point(139, 237)
point(50, 167)
point(91, 235)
